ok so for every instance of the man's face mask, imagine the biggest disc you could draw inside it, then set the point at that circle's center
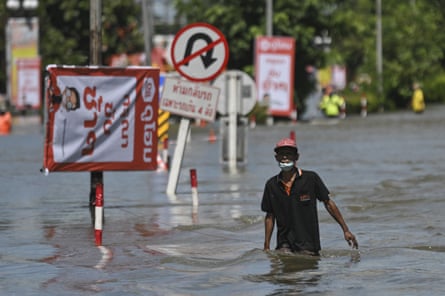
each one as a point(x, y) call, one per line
point(286, 160)
point(286, 166)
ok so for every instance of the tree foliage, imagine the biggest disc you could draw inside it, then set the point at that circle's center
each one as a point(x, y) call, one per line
point(65, 31)
point(413, 47)
point(413, 38)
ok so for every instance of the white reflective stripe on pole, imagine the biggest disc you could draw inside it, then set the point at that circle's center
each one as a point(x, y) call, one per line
point(99, 213)
point(194, 185)
point(173, 177)
point(233, 94)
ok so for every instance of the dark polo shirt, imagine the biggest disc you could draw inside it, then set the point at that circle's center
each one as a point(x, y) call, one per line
point(296, 214)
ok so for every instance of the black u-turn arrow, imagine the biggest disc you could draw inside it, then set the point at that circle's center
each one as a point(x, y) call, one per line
point(208, 58)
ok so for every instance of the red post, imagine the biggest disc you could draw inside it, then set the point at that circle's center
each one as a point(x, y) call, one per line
point(98, 223)
point(193, 178)
point(293, 136)
point(194, 185)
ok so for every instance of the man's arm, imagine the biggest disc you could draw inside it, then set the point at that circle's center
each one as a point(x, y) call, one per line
point(333, 210)
point(269, 223)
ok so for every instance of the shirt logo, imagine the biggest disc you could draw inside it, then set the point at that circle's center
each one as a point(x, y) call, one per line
point(305, 197)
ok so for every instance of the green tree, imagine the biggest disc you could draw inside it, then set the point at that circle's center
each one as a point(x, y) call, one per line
point(412, 43)
point(413, 47)
point(65, 31)
point(242, 22)
point(413, 39)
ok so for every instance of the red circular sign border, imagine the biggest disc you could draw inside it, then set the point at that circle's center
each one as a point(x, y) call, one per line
point(226, 47)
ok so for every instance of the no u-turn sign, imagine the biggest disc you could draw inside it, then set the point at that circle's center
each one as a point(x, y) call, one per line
point(199, 52)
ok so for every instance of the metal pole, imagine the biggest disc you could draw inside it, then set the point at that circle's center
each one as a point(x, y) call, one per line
point(147, 21)
point(232, 122)
point(96, 177)
point(95, 32)
point(269, 13)
point(269, 33)
point(173, 178)
point(379, 53)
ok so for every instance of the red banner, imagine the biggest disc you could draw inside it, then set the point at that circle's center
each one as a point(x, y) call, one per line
point(101, 118)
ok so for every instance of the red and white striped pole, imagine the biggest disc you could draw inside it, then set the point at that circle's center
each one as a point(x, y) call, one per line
point(194, 184)
point(165, 157)
point(293, 136)
point(294, 116)
point(99, 211)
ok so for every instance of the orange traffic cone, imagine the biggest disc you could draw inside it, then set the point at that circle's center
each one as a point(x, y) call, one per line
point(162, 166)
point(212, 136)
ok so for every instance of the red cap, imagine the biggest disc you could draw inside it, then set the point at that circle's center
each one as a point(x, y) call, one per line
point(286, 142)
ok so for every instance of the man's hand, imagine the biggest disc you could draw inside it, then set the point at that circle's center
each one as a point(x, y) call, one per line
point(350, 238)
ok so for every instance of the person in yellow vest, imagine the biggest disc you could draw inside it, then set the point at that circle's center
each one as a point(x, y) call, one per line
point(5, 122)
point(417, 101)
point(331, 103)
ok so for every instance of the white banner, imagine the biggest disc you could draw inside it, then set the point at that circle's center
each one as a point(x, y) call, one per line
point(274, 66)
point(28, 74)
point(101, 118)
point(189, 99)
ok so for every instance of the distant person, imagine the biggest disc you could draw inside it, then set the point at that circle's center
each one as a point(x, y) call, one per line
point(290, 202)
point(331, 103)
point(417, 101)
point(266, 100)
point(5, 122)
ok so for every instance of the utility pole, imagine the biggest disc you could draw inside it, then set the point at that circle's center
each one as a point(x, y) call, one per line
point(96, 177)
point(147, 21)
point(269, 14)
point(269, 33)
point(95, 32)
point(379, 53)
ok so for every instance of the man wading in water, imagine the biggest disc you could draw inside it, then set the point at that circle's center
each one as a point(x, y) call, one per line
point(290, 199)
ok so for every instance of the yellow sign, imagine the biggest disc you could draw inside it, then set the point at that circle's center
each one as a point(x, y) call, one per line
point(22, 43)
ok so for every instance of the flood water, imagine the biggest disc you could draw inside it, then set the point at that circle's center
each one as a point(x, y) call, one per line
point(386, 173)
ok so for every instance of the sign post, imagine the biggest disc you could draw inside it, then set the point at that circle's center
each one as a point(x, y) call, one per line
point(233, 95)
point(98, 119)
point(199, 53)
point(238, 97)
point(184, 129)
point(96, 177)
point(190, 100)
